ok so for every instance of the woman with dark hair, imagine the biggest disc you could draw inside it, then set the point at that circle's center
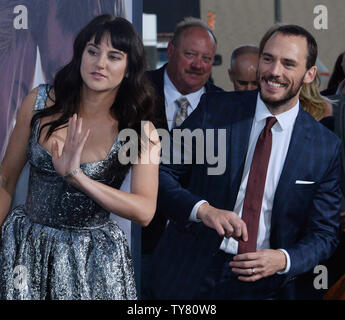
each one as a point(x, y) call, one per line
point(19, 48)
point(61, 244)
point(337, 77)
point(338, 72)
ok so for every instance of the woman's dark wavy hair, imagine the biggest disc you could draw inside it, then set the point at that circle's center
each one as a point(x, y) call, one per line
point(338, 73)
point(134, 101)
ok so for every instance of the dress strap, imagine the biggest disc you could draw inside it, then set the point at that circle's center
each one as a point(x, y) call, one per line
point(42, 94)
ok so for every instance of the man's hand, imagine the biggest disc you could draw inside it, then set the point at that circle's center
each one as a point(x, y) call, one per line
point(253, 266)
point(226, 223)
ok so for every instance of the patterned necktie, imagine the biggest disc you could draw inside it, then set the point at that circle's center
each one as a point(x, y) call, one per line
point(256, 187)
point(182, 113)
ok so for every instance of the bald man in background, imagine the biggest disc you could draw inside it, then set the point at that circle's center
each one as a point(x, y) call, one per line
point(243, 65)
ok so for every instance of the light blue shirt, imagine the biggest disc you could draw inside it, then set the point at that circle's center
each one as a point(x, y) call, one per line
point(171, 94)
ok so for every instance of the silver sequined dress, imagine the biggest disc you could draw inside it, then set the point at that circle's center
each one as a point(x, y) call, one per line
point(61, 244)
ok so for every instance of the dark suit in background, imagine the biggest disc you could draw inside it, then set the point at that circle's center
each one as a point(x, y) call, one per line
point(191, 54)
point(153, 232)
point(336, 264)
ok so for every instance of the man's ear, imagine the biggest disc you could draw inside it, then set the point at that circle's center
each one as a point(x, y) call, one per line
point(231, 75)
point(310, 75)
point(170, 50)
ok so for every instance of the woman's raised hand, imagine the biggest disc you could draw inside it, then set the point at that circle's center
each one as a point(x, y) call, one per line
point(69, 160)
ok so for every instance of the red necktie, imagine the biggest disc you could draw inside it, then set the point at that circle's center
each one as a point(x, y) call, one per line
point(256, 186)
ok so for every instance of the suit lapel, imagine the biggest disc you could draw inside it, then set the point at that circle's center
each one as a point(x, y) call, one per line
point(241, 124)
point(157, 78)
point(211, 87)
point(294, 162)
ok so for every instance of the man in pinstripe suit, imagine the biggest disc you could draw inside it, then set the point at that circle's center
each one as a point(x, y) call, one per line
point(198, 257)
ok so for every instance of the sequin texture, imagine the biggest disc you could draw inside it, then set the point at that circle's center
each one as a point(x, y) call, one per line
point(61, 244)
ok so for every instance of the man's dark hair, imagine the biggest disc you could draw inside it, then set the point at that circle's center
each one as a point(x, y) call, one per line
point(293, 30)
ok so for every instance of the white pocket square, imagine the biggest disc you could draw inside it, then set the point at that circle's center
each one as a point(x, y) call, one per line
point(304, 182)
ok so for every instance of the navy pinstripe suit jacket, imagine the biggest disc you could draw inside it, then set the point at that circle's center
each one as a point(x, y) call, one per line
point(305, 217)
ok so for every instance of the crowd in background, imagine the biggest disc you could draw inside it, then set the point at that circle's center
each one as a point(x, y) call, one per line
point(254, 232)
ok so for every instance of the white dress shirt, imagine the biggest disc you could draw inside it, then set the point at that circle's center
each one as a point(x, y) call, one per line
point(171, 94)
point(281, 136)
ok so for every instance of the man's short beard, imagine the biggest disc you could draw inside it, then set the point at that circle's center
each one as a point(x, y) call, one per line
point(274, 104)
